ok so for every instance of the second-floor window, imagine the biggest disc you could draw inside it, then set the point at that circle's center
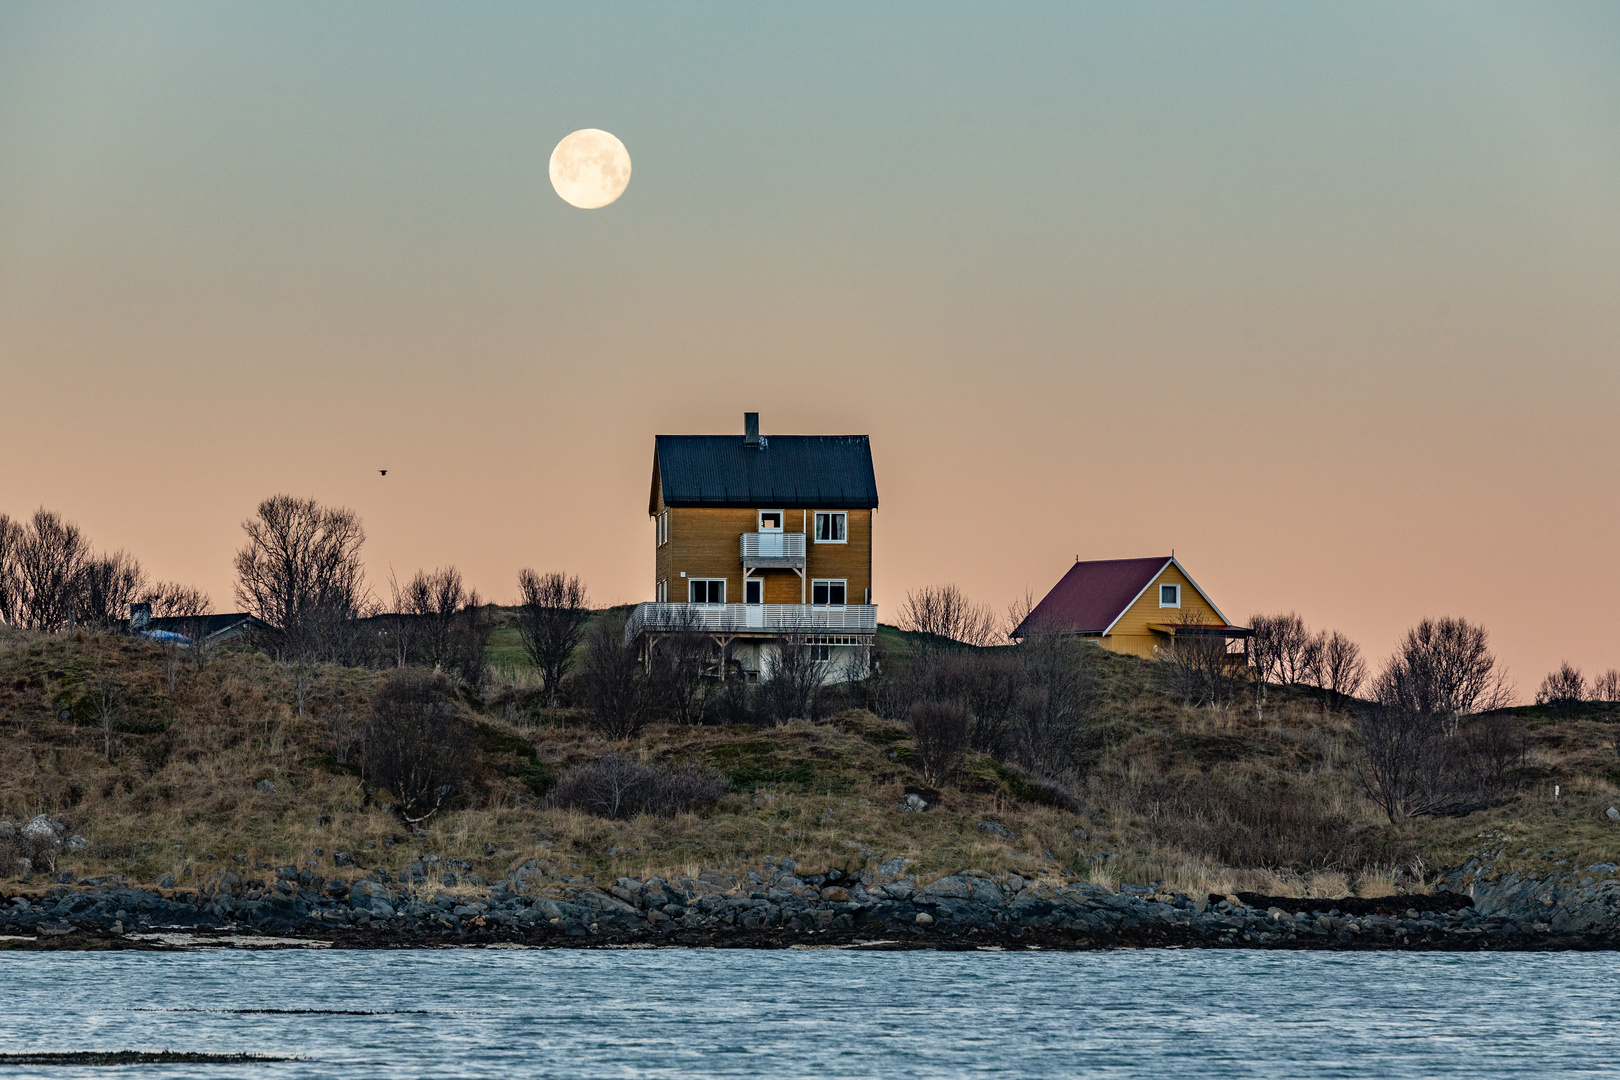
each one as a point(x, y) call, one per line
point(663, 528)
point(832, 527)
point(770, 521)
point(828, 593)
point(707, 590)
point(1169, 595)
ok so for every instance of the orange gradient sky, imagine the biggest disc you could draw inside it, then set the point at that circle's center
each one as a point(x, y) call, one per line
point(1326, 298)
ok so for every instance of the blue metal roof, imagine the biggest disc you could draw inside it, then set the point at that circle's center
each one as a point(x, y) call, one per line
point(825, 472)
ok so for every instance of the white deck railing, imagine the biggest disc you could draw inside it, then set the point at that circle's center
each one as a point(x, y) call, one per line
point(772, 547)
point(756, 618)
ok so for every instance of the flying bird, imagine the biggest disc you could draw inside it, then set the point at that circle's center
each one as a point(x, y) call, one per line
point(383, 471)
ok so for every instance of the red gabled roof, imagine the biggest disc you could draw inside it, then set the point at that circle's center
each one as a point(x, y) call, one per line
point(1093, 594)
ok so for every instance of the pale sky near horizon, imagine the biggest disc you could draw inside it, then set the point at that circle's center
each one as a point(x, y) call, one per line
point(1324, 297)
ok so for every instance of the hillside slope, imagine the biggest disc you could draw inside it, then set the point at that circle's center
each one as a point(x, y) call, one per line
point(222, 772)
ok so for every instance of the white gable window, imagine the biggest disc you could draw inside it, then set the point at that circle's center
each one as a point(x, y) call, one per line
point(1170, 596)
point(832, 527)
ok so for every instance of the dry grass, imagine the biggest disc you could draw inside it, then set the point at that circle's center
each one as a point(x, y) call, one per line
point(1204, 800)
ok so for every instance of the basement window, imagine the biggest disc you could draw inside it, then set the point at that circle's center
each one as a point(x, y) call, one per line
point(1170, 596)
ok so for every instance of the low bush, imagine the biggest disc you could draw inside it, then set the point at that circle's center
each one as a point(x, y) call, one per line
point(614, 786)
point(416, 747)
point(940, 730)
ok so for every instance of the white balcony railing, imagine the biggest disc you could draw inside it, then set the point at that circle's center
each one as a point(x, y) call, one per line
point(755, 618)
point(774, 549)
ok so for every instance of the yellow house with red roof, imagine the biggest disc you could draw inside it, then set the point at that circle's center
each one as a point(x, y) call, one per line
point(1134, 606)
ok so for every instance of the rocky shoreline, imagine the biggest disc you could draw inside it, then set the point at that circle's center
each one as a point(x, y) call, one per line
point(776, 908)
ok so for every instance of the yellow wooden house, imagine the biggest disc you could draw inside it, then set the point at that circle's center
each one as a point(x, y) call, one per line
point(1134, 606)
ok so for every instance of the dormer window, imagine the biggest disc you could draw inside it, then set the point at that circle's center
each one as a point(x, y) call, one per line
point(1170, 596)
point(770, 521)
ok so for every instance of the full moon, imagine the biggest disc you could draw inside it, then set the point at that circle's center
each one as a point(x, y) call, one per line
point(590, 168)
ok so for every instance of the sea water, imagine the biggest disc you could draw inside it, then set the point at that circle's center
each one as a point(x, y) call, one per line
point(740, 1013)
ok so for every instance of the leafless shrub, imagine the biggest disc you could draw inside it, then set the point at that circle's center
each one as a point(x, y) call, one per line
point(1401, 765)
point(791, 685)
point(1443, 669)
point(680, 658)
point(1201, 670)
point(1562, 689)
point(616, 694)
point(1054, 700)
point(340, 729)
point(1606, 687)
point(1274, 822)
point(942, 615)
point(416, 747)
point(617, 787)
point(940, 732)
point(1409, 766)
point(107, 699)
point(551, 621)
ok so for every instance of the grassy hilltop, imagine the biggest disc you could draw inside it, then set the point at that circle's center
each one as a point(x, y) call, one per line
point(223, 772)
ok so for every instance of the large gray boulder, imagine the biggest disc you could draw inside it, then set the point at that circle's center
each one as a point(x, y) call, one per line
point(43, 830)
point(371, 897)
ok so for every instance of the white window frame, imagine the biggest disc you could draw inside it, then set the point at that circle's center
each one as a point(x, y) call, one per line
point(709, 581)
point(781, 518)
point(1163, 585)
point(829, 582)
point(832, 514)
point(758, 583)
point(663, 590)
point(663, 528)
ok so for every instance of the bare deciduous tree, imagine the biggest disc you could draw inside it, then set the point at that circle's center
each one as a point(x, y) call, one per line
point(49, 564)
point(1339, 668)
point(1606, 687)
point(11, 538)
point(1562, 689)
point(300, 571)
point(437, 623)
point(679, 658)
point(1443, 669)
point(551, 621)
point(108, 585)
point(1282, 648)
point(942, 615)
point(616, 694)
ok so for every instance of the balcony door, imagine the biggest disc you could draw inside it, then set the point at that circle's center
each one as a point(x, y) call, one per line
point(754, 601)
point(770, 534)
